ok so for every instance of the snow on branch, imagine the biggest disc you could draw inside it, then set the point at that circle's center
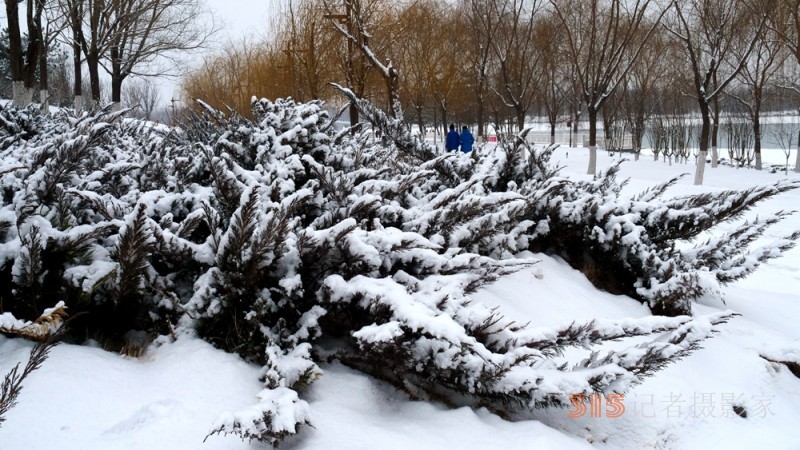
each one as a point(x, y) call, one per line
point(278, 414)
point(40, 329)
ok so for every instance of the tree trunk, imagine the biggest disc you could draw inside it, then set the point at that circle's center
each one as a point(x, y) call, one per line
point(592, 141)
point(699, 173)
point(638, 134)
point(715, 134)
point(93, 63)
point(77, 82)
point(393, 88)
point(571, 138)
point(552, 133)
point(44, 98)
point(480, 113)
point(116, 93)
point(497, 123)
point(575, 129)
point(797, 160)
point(116, 78)
point(16, 57)
point(757, 139)
point(435, 127)
point(419, 122)
point(21, 96)
point(43, 81)
point(705, 129)
point(353, 116)
point(35, 44)
point(444, 121)
point(26, 96)
point(16, 60)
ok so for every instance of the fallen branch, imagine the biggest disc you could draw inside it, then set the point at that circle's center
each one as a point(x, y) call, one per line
point(40, 329)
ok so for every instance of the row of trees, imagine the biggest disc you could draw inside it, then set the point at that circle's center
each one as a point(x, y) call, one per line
point(121, 37)
point(58, 71)
point(500, 61)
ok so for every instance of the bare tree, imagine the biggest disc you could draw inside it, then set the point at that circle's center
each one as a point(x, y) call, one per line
point(552, 93)
point(16, 55)
point(95, 40)
point(443, 71)
point(517, 55)
point(53, 24)
point(681, 136)
point(351, 60)
point(36, 46)
point(59, 77)
point(740, 137)
point(419, 47)
point(134, 37)
point(142, 95)
point(477, 46)
point(709, 31)
point(73, 11)
point(615, 127)
point(603, 40)
point(356, 31)
point(785, 135)
point(670, 150)
point(643, 87)
point(24, 62)
point(151, 37)
point(308, 50)
point(785, 21)
point(574, 98)
point(657, 132)
point(758, 71)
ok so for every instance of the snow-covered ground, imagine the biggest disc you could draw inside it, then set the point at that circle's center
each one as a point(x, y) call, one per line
point(86, 398)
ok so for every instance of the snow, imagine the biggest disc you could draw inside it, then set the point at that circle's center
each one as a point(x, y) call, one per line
point(85, 397)
point(177, 392)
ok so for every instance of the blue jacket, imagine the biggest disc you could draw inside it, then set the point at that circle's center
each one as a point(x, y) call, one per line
point(466, 141)
point(453, 141)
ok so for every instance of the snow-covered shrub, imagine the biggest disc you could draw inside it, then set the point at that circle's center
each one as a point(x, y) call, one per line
point(630, 245)
point(262, 236)
point(78, 222)
point(512, 198)
point(790, 358)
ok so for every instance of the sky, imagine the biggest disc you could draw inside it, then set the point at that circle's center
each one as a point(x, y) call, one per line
point(237, 19)
point(244, 17)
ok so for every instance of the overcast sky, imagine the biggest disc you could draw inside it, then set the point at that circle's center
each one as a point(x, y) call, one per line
point(245, 17)
point(237, 19)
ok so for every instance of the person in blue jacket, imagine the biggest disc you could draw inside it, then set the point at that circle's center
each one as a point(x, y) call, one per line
point(453, 140)
point(466, 140)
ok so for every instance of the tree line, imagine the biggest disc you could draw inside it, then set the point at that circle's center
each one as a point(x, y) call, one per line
point(496, 62)
point(123, 38)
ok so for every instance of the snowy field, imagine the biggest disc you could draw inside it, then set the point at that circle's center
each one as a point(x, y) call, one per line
point(86, 398)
